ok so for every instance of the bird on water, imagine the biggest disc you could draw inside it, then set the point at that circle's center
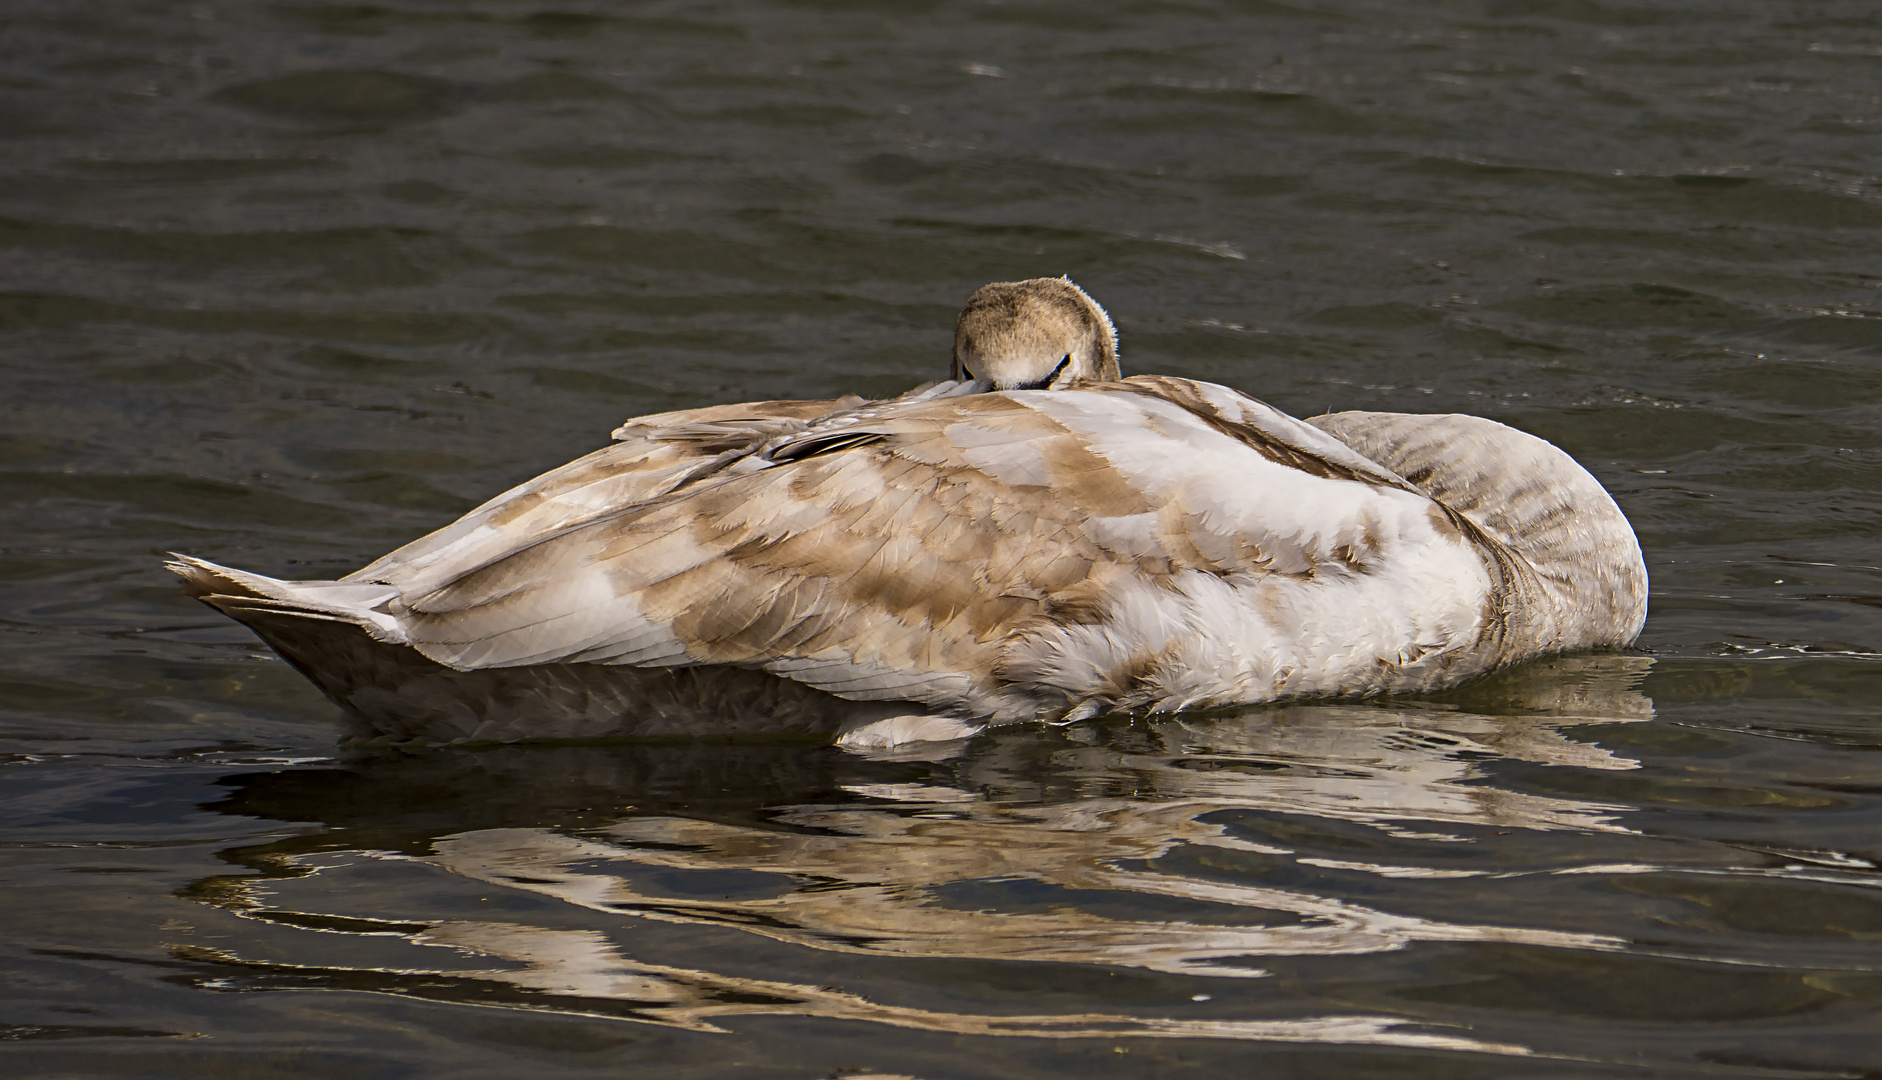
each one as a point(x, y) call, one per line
point(1035, 539)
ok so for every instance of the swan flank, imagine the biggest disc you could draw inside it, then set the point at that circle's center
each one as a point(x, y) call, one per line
point(1037, 539)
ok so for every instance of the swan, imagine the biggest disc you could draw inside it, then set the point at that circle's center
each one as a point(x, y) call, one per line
point(1036, 539)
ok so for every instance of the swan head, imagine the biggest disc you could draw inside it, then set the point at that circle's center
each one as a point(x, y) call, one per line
point(1038, 334)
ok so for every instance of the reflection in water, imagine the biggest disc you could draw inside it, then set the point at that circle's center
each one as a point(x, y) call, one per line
point(580, 972)
point(1132, 846)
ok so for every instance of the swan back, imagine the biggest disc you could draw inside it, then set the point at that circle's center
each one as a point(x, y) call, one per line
point(1149, 543)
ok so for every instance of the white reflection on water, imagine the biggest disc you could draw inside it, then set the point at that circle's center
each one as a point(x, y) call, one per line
point(580, 972)
point(874, 879)
point(875, 892)
point(1096, 877)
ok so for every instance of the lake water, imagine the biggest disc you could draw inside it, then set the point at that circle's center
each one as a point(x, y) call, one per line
point(285, 285)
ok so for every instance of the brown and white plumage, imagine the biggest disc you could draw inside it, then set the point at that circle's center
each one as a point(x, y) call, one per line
point(1034, 334)
point(975, 552)
point(926, 566)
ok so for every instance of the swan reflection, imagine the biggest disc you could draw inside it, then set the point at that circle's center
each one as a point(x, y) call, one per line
point(1141, 847)
point(920, 876)
point(580, 972)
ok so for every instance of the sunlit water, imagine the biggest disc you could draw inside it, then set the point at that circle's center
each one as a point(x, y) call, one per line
point(287, 285)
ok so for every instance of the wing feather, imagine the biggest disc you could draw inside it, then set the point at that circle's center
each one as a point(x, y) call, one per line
point(944, 549)
point(653, 455)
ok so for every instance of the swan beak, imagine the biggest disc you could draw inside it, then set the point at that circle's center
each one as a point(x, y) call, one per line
point(1058, 376)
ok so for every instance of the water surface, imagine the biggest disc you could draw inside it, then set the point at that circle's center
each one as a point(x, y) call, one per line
point(285, 285)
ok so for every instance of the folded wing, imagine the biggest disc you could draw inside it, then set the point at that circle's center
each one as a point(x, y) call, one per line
point(995, 553)
point(651, 456)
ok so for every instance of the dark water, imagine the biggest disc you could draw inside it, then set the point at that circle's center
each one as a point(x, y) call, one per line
point(287, 284)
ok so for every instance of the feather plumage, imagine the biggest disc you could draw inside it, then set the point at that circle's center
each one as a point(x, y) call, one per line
point(1150, 543)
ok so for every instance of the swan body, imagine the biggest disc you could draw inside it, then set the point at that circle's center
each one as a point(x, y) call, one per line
point(1035, 539)
point(931, 565)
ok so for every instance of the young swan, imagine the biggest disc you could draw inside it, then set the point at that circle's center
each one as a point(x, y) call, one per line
point(1037, 334)
point(914, 571)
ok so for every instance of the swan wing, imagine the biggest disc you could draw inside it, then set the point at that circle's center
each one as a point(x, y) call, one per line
point(738, 413)
point(650, 456)
point(987, 553)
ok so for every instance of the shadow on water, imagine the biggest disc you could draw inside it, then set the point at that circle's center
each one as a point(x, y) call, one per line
point(1179, 862)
